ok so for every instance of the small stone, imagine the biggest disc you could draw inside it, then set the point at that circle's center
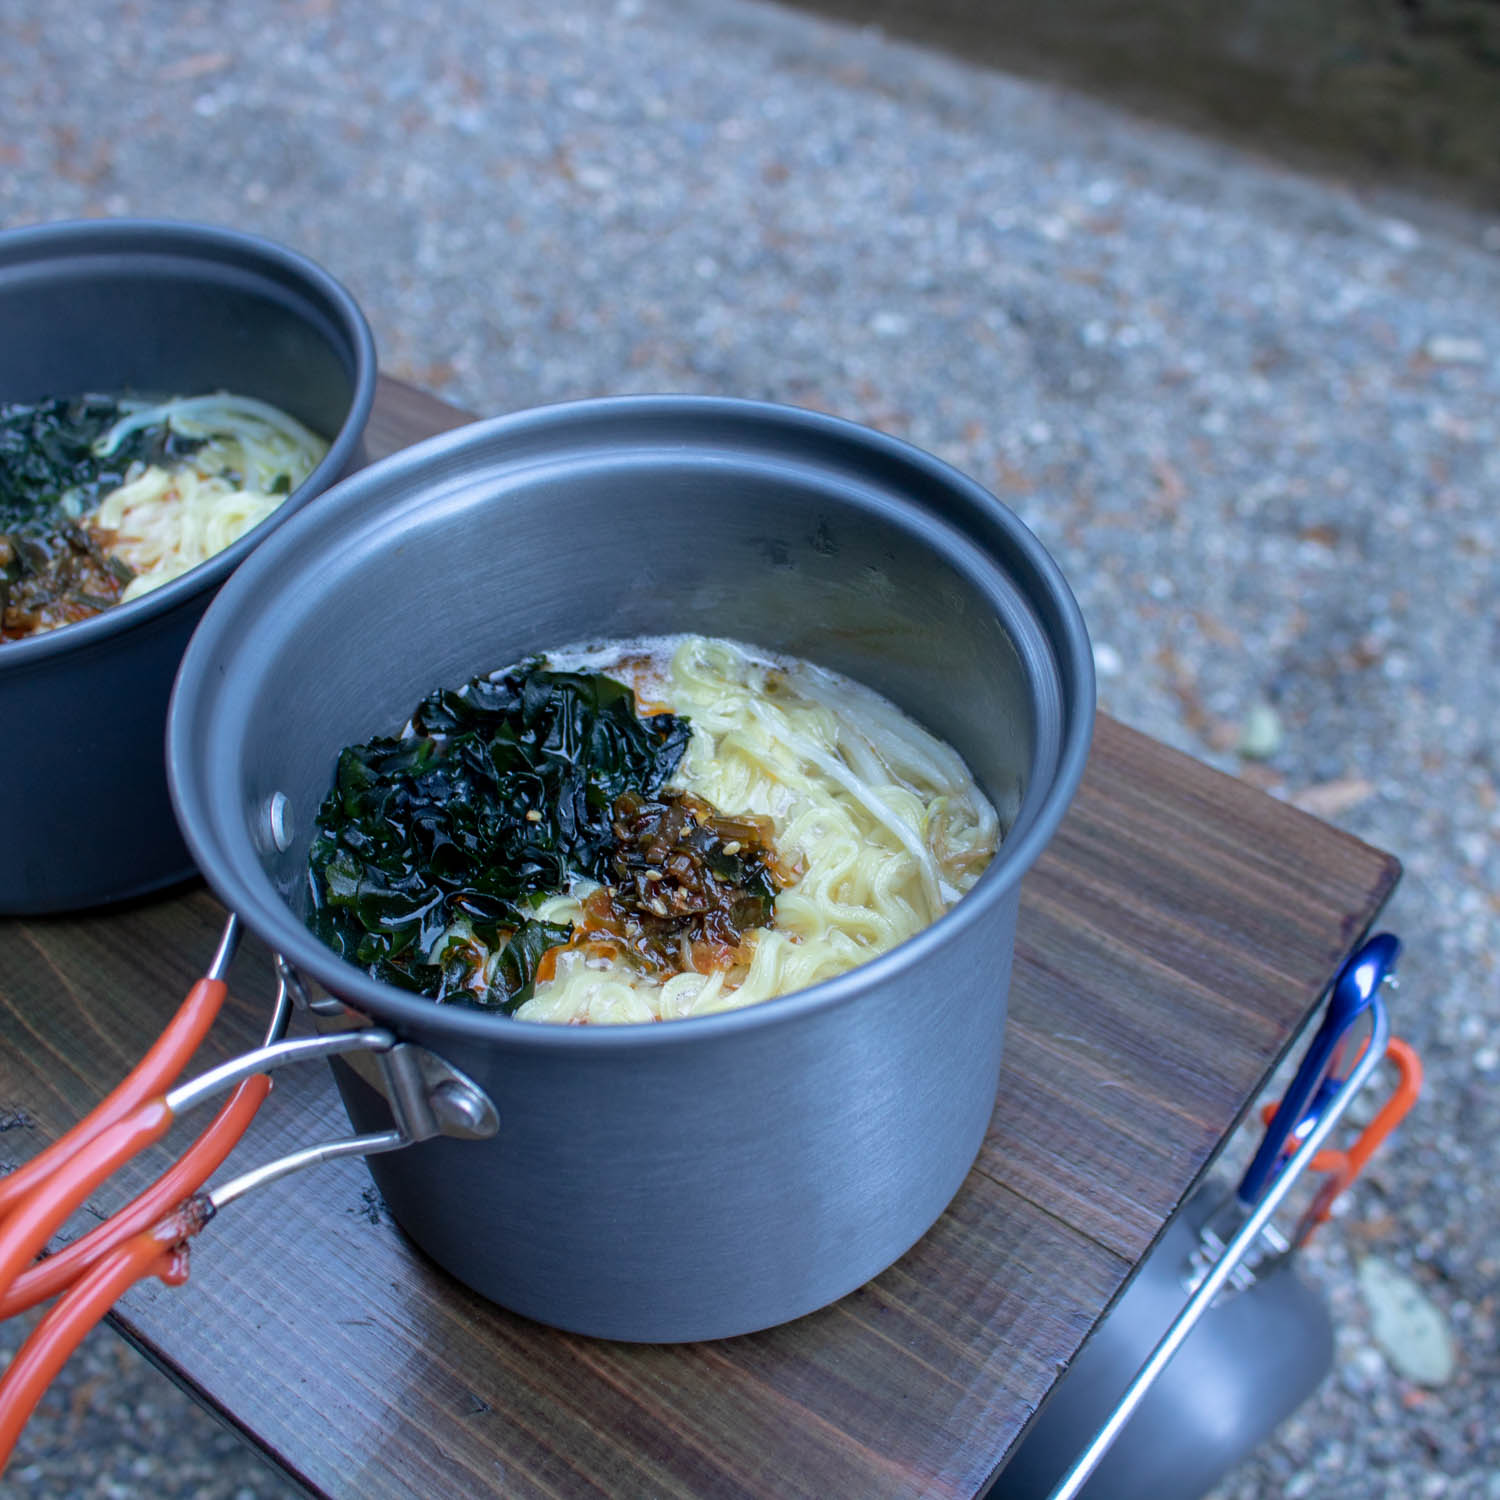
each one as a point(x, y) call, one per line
point(1450, 349)
point(1107, 661)
point(1407, 1325)
point(1261, 735)
point(1327, 799)
point(1363, 1370)
point(890, 325)
point(1475, 848)
point(1398, 234)
point(1333, 1459)
point(594, 179)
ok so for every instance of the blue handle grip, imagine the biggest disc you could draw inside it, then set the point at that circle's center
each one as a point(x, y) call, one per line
point(1348, 999)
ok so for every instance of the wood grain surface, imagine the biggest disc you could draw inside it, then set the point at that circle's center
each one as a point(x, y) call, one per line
point(1172, 941)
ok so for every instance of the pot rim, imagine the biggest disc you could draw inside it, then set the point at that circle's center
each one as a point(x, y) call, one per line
point(36, 245)
point(266, 913)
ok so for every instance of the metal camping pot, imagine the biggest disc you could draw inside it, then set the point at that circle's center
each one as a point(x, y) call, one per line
point(697, 1178)
point(149, 308)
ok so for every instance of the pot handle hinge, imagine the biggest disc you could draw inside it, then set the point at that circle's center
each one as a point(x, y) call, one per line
point(427, 1096)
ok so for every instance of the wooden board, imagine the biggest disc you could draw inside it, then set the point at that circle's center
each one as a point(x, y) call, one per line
point(1172, 941)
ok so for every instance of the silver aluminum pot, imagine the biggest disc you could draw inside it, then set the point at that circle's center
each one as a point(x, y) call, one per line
point(153, 308)
point(705, 1177)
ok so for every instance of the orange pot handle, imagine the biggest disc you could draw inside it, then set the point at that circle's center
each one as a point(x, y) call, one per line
point(428, 1097)
point(153, 1075)
point(146, 1237)
point(1387, 1118)
point(158, 1251)
point(184, 1177)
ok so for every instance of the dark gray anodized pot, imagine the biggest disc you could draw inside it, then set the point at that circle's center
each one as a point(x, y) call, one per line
point(156, 309)
point(704, 1177)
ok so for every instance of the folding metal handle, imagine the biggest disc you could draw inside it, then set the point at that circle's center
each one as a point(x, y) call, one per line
point(427, 1096)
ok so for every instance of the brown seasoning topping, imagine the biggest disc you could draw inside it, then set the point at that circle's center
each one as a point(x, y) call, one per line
point(688, 885)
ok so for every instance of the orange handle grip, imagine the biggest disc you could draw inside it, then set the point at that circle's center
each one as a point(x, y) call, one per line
point(34, 1220)
point(1387, 1118)
point(1344, 1166)
point(184, 1177)
point(153, 1075)
point(159, 1251)
point(139, 1241)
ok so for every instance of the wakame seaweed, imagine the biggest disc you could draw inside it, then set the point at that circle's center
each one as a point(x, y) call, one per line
point(47, 452)
point(503, 789)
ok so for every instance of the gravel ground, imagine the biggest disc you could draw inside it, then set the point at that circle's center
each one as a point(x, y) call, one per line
point(1253, 413)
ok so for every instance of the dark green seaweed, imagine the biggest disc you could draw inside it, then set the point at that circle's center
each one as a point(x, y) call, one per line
point(504, 788)
point(47, 450)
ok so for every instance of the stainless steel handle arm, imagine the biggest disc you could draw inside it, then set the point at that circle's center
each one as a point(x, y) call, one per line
point(1234, 1252)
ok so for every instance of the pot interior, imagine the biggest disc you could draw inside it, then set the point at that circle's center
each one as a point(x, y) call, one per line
point(575, 525)
point(167, 310)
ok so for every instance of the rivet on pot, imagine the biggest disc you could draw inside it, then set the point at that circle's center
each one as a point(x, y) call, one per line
point(462, 1110)
point(279, 821)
